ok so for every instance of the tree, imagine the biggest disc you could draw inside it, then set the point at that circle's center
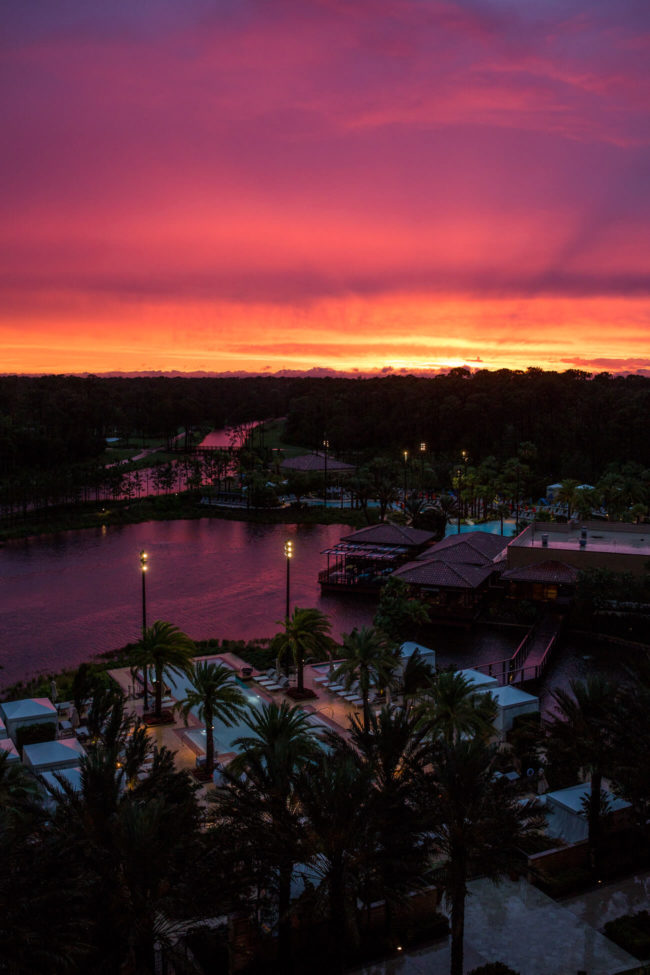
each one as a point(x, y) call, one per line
point(581, 731)
point(394, 749)
point(167, 650)
point(368, 658)
point(400, 612)
point(305, 634)
point(478, 822)
point(259, 800)
point(215, 694)
point(334, 794)
point(452, 709)
point(566, 494)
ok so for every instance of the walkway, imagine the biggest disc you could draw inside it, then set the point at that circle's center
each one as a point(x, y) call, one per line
point(520, 926)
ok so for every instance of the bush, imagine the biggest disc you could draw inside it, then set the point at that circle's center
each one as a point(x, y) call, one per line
point(32, 734)
point(493, 968)
point(632, 933)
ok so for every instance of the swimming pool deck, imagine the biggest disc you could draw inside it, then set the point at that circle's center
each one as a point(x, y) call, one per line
point(333, 709)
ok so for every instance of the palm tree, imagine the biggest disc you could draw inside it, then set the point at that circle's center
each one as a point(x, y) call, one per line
point(452, 709)
point(394, 749)
point(169, 651)
point(334, 794)
point(305, 634)
point(478, 823)
point(215, 694)
point(581, 730)
point(566, 493)
point(417, 675)
point(259, 798)
point(368, 659)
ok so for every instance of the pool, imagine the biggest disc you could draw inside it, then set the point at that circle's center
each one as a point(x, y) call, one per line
point(224, 736)
point(492, 527)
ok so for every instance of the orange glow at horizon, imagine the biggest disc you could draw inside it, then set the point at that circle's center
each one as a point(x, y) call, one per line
point(368, 186)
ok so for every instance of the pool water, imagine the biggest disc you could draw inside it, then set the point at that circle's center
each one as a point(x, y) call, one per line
point(224, 735)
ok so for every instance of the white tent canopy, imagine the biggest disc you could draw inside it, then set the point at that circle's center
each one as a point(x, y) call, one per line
point(7, 746)
point(49, 756)
point(511, 702)
point(29, 710)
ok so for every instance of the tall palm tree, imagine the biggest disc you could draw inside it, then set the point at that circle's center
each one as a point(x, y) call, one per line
point(394, 749)
point(478, 823)
point(259, 799)
point(582, 730)
point(369, 659)
point(305, 634)
point(215, 694)
point(334, 794)
point(452, 708)
point(566, 493)
point(169, 651)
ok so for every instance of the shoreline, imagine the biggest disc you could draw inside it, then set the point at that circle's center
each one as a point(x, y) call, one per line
point(182, 506)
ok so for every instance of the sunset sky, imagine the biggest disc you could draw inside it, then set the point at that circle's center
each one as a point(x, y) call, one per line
point(228, 185)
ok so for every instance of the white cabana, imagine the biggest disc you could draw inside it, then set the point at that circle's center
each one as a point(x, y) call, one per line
point(477, 680)
point(50, 756)
point(29, 710)
point(565, 813)
point(409, 648)
point(8, 748)
point(511, 702)
point(71, 775)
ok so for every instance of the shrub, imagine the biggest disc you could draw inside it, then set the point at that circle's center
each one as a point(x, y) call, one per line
point(632, 933)
point(32, 734)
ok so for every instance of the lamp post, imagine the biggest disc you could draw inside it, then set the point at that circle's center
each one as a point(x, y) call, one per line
point(423, 450)
point(406, 457)
point(459, 474)
point(288, 552)
point(326, 445)
point(145, 670)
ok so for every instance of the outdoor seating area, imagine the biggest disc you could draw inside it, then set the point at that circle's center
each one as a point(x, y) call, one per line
point(273, 680)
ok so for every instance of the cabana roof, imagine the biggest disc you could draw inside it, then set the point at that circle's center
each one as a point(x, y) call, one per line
point(7, 746)
point(29, 707)
point(49, 754)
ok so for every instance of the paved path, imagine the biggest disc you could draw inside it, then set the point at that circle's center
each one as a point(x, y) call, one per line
point(519, 925)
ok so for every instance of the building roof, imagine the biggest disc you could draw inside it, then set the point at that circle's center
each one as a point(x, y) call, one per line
point(310, 463)
point(437, 573)
point(553, 572)
point(63, 751)
point(599, 536)
point(7, 746)
point(28, 708)
point(470, 548)
point(388, 534)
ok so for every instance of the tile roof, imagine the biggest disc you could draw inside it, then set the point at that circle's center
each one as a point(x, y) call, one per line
point(387, 534)
point(315, 462)
point(551, 571)
point(470, 548)
point(439, 573)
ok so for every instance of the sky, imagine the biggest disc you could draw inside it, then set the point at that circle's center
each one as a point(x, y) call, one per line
point(264, 185)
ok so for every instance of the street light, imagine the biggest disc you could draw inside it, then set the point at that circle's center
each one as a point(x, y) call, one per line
point(145, 670)
point(406, 457)
point(423, 450)
point(288, 552)
point(143, 565)
point(326, 445)
point(459, 474)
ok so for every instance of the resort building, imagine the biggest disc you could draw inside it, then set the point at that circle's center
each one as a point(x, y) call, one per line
point(586, 545)
point(455, 575)
point(362, 561)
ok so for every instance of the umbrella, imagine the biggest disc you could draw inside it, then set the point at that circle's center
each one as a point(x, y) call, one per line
point(53, 691)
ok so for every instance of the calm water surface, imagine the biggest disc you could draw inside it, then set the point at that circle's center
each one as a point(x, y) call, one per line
point(65, 598)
